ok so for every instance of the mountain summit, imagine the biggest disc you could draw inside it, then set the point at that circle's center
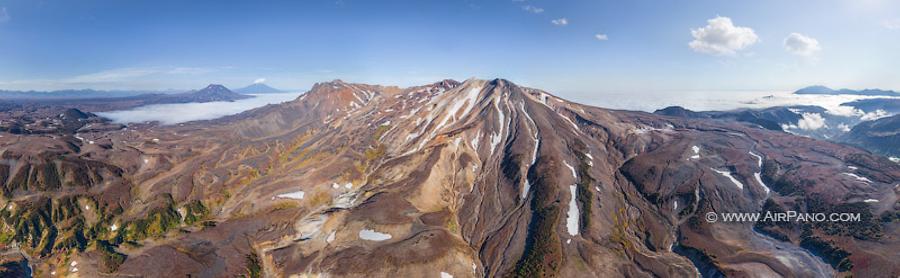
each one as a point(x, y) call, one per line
point(259, 88)
point(481, 178)
point(211, 93)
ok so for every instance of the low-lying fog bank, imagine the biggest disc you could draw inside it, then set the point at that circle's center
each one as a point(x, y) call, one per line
point(186, 112)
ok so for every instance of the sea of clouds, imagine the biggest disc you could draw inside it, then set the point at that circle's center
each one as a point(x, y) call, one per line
point(185, 112)
point(726, 100)
point(645, 101)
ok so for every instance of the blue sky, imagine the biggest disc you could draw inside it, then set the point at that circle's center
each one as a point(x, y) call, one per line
point(604, 46)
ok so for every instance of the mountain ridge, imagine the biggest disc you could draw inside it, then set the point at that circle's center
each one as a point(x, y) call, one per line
point(822, 90)
point(475, 178)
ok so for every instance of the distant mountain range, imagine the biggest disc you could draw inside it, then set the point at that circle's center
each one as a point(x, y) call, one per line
point(259, 88)
point(105, 101)
point(822, 90)
point(874, 124)
point(889, 105)
point(255, 88)
point(213, 92)
point(76, 94)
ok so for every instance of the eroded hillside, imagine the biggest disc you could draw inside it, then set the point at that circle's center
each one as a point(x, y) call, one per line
point(479, 178)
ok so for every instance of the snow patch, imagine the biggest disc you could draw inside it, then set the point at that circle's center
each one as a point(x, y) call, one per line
point(475, 140)
point(758, 175)
point(330, 237)
point(373, 235)
point(870, 201)
point(572, 215)
point(696, 150)
point(574, 174)
point(859, 178)
point(572, 123)
point(728, 175)
point(537, 143)
point(495, 138)
point(298, 195)
point(446, 275)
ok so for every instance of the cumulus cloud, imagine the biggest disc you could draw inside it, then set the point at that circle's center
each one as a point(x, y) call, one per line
point(847, 111)
point(532, 9)
point(802, 45)
point(844, 127)
point(811, 121)
point(4, 15)
point(601, 37)
point(891, 24)
point(259, 80)
point(721, 37)
point(560, 21)
point(874, 115)
point(843, 110)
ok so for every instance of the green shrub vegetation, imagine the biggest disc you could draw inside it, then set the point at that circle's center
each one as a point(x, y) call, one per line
point(195, 212)
point(543, 250)
point(253, 266)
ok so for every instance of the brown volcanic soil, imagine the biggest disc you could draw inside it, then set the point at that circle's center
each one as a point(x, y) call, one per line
point(480, 178)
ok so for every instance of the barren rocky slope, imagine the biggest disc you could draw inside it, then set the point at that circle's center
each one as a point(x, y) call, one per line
point(479, 178)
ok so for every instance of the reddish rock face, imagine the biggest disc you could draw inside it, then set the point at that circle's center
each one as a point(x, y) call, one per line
point(479, 178)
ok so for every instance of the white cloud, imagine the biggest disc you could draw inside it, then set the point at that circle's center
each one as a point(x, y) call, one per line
point(259, 80)
point(721, 37)
point(601, 37)
point(874, 115)
point(114, 75)
point(802, 45)
point(532, 9)
point(560, 21)
point(844, 127)
point(4, 15)
point(811, 121)
point(844, 111)
point(185, 112)
point(119, 78)
point(190, 70)
point(891, 24)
